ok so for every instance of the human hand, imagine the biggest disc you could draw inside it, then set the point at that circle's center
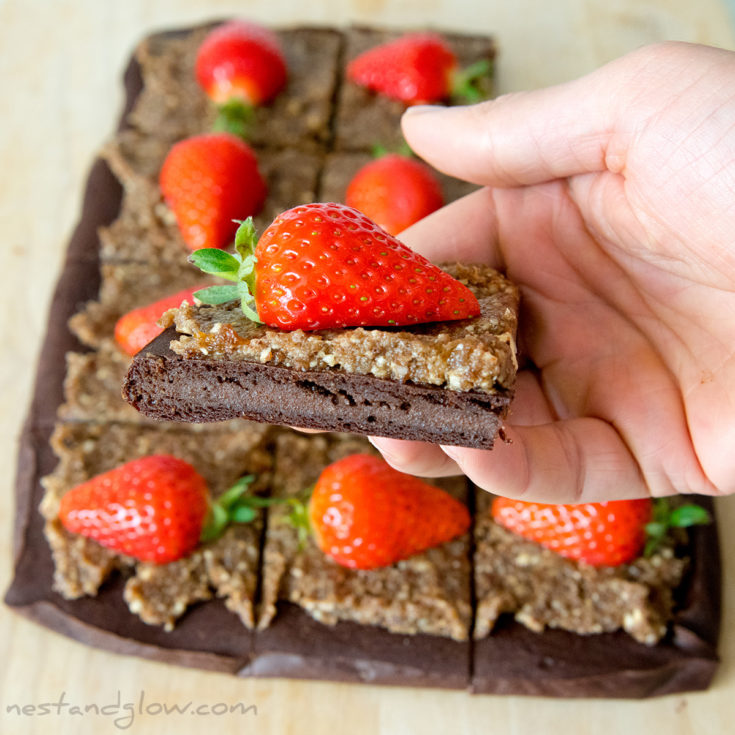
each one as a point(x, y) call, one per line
point(611, 203)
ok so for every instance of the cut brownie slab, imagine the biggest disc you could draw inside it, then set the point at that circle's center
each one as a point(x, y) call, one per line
point(159, 594)
point(426, 593)
point(364, 119)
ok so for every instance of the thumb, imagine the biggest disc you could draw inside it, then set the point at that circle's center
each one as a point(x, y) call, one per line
point(582, 126)
point(520, 138)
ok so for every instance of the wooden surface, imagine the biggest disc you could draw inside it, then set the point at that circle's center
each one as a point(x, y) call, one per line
point(60, 63)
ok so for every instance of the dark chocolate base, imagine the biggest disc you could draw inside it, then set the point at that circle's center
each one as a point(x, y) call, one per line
point(163, 385)
point(513, 660)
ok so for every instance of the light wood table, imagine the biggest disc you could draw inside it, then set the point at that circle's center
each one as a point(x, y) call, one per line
point(60, 65)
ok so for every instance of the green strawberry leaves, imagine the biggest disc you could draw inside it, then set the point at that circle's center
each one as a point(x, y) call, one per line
point(665, 518)
point(472, 84)
point(238, 267)
point(223, 510)
point(235, 117)
point(236, 506)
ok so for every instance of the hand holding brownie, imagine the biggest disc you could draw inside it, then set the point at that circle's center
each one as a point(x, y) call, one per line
point(609, 202)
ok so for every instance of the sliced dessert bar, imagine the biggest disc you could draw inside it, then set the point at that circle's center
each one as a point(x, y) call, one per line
point(146, 230)
point(158, 594)
point(447, 382)
point(365, 119)
point(408, 623)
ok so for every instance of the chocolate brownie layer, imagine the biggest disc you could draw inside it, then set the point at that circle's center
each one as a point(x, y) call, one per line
point(163, 385)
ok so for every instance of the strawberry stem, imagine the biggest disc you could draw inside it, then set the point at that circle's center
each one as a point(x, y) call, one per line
point(238, 267)
point(298, 517)
point(472, 84)
point(235, 117)
point(378, 150)
point(665, 518)
point(234, 506)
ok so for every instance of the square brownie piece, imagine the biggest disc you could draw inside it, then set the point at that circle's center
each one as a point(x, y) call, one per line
point(363, 118)
point(146, 230)
point(159, 594)
point(405, 624)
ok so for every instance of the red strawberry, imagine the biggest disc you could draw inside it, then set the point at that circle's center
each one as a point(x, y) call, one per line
point(152, 508)
point(138, 327)
point(600, 534)
point(416, 68)
point(364, 514)
point(327, 265)
point(209, 181)
point(155, 509)
point(395, 191)
point(241, 60)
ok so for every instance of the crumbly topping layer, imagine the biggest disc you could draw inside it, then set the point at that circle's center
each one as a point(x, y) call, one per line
point(542, 589)
point(469, 354)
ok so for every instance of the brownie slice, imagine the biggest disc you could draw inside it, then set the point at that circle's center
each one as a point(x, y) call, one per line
point(146, 229)
point(408, 623)
point(364, 119)
point(542, 589)
point(340, 168)
point(530, 657)
point(158, 594)
point(446, 382)
point(172, 106)
point(428, 593)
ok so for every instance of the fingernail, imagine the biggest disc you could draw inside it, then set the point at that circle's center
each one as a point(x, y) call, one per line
point(451, 452)
point(422, 109)
point(375, 441)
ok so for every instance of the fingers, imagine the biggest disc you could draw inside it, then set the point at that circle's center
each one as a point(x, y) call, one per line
point(574, 461)
point(415, 458)
point(516, 139)
point(579, 460)
point(581, 126)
